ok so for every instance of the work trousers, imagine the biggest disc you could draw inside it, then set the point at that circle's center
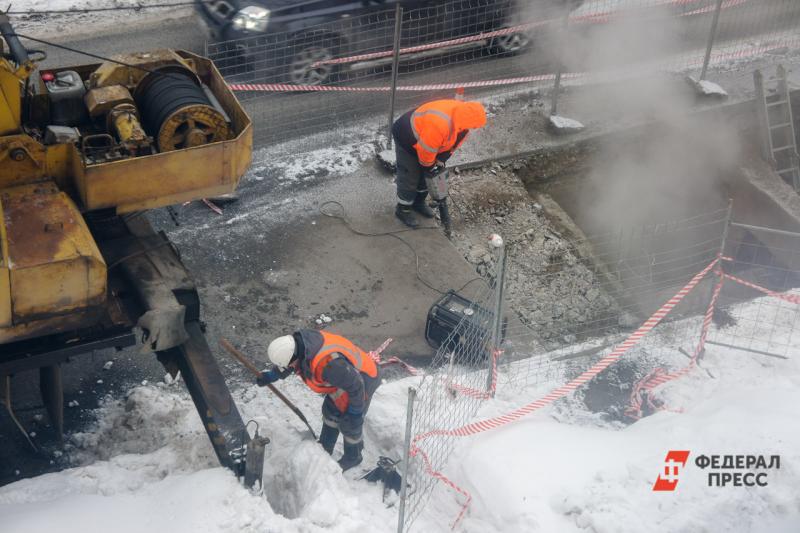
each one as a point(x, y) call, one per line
point(410, 177)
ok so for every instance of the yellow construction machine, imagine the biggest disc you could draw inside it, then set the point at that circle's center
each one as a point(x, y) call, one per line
point(83, 151)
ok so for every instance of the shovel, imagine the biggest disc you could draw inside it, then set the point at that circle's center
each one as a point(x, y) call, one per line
point(249, 365)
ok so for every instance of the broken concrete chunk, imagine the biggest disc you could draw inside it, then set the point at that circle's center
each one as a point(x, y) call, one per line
point(563, 125)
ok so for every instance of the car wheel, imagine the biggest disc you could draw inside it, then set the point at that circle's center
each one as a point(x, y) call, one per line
point(307, 65)
point(511, 44)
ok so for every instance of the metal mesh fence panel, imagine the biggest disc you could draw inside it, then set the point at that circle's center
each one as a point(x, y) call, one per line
point(629, 275)
point(450, 395)
point(600, 288)
point(764, 31)
point(769, 326)
point(343, 67)
point(302, 58)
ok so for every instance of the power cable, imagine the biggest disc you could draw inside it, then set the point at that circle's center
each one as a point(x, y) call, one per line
point(342, 216)
point(94, 56)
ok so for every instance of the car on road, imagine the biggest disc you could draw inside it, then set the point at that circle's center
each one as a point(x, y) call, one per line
point(295, 40)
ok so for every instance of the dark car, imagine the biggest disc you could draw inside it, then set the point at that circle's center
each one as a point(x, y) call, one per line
point(292, 40)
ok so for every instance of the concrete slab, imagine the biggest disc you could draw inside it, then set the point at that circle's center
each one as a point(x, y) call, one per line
point(273, 263)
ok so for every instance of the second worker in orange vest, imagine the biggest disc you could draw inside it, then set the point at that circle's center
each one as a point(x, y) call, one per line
point(332, 365)
point(424, 138)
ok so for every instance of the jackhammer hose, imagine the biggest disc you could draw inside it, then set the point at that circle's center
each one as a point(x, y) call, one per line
point(14, 45)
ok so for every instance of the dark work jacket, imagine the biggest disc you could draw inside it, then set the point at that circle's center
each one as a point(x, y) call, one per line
point(339, 372)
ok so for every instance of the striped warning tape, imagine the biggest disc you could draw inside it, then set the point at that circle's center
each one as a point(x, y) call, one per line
point(660, 376)
point(642, 390)
point(475, 393)
point(791, 298)
point(376, 356)
point(499, 421)
point(286, 87)
point(589, 18)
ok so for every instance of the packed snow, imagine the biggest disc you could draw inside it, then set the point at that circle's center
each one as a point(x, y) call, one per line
point(146, 464)
point(68, 18)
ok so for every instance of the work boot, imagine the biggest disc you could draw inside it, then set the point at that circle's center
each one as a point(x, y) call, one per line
point(352, 455)
point(406, 216)
point(421, 207)
point(328, 437)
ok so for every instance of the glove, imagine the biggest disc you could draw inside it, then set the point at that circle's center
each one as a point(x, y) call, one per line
point(267, 378)
point(432, 172)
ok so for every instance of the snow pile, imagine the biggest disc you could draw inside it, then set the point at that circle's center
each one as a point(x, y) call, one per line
point(553, 471)
point(76, 22)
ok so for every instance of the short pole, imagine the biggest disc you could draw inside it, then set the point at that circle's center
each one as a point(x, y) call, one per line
point(398, 25)
point(719, 269)
point(401, 515)
point(711, 36)
point(557, 84)
point(497, 323)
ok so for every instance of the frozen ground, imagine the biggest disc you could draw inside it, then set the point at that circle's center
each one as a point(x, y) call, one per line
point(73, 22)
point(558, 470)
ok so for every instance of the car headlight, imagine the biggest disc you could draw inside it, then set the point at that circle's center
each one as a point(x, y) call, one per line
point(251, 18)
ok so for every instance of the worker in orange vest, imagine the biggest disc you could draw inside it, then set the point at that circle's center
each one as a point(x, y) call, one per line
point(424, 139)
point(332, 365)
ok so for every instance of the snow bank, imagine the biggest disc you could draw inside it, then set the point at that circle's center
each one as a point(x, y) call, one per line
point(146, 466)
point(80, 23)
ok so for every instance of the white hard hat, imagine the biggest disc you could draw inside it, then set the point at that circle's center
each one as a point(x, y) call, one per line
point(281, 350)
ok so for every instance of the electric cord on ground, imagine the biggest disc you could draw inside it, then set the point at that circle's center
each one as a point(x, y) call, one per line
point(342, 216)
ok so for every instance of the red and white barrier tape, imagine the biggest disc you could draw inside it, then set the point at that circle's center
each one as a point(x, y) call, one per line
point(590, 18)
point(499, 421)
point(642, 390)
point(476, 393)
point(791, 298)
point(432, 46)
point(286, 87)
point(376, 356)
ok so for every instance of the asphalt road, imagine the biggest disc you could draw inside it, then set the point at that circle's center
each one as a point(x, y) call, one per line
point(279, 117)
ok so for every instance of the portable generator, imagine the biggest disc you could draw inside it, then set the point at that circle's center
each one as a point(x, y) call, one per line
point(462, 326)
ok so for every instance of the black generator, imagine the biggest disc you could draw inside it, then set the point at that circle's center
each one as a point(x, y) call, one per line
point(464, 326)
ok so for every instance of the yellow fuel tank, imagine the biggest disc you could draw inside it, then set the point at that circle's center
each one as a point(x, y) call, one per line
point(50, 265)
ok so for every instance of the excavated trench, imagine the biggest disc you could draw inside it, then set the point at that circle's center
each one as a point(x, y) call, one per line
point(600, 233)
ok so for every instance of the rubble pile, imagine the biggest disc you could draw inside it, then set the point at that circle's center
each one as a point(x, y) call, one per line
point(550, 287)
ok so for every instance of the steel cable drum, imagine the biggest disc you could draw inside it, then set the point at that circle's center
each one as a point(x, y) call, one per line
point(176, 111)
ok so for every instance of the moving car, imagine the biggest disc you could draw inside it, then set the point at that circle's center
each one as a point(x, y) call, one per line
point(291, 40)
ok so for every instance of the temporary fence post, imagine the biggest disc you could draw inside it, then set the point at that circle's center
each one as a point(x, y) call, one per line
point(711, 36)
point(557, 83)
point(721, 252)
point(401, 515)
point(398, 25)
point(497, 323)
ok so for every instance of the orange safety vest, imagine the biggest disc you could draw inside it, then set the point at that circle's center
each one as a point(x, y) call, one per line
point(333, 345)
point(436, 126)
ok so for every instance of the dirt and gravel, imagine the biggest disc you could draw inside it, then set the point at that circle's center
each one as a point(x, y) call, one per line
point(551, 284)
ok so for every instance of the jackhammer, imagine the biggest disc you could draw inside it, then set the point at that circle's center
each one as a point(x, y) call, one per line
point(436, 180)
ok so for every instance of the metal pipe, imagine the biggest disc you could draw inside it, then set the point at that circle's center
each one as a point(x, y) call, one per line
point(398, 25)
point(557, 84)
point(401, 515)
point(746, 349)
point(16, 48)
point(766, 230)
point(711, 36)
point(497, 323)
